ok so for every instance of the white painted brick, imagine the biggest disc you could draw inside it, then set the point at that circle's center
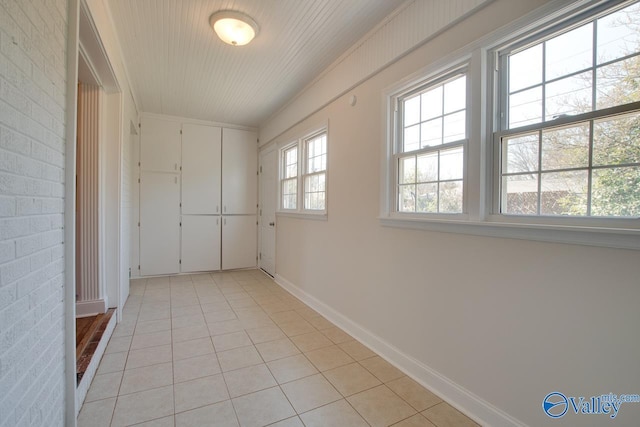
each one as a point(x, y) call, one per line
point(8, 251)
point(14, 227)
point(7, 206)
point(8, 295)
point(13, 141)
point(12, 271)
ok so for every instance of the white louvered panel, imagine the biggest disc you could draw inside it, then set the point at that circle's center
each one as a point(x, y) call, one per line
point(87, 283)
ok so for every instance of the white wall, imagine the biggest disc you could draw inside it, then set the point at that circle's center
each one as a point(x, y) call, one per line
point(507, 320)
point(33, 38)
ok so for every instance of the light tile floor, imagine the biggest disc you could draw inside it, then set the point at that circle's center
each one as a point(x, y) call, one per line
point(234, 349)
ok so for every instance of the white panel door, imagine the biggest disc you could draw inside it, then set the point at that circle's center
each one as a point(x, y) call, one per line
point(200, 243)
point(160, 145)
point(239, 172)
point(239, 241)
point(201, 163)
point(159, 223)
point(268, 200)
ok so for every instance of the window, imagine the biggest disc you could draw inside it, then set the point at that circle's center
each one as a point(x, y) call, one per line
point(304, 190)
point(569, 134)
point(430, 145)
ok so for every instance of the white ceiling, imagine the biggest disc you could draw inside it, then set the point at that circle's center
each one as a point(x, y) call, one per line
point(179, 67)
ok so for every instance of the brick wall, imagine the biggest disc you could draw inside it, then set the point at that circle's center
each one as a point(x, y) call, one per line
point(32, 129)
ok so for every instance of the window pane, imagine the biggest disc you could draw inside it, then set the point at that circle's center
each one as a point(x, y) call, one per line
point(569, 52)
point(618, 34)
point(432, 103)
point(569, 96)
point(411, 111)
point(291, 171)
point(406, 198)
point(566, 147)
point(455, 95)
point(618, 83)
point(427, 198)
point(428, 167)
point(525, 68)
point(616, 192)
point(451, 197)
point(411, 138)
point(520, 154)
point(407, 170)
point(617, 140)
point(454, 127)
point(564, 193)
point(431, 133)
point(525, 107)
point(451, 164)
point(520, 194)
point(289, 201)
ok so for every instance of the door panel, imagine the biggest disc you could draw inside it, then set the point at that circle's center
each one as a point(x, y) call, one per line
point(160, 145)
point(239, 177)
point(239, 241)
point(200, 243)
point(201, 163)
point(268, 200)
point(159, 223)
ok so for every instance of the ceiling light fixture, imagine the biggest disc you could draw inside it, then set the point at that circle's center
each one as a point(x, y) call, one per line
point(234, 28)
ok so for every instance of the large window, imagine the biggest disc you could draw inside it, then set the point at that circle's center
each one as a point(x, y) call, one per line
point(430, 145)
point(303, 175)
point(569, 138)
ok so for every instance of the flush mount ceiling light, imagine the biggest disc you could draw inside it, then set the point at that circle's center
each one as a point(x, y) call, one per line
point(234, 28)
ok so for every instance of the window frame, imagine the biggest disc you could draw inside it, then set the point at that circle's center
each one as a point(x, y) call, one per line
point(480, 216)
point(301, 144)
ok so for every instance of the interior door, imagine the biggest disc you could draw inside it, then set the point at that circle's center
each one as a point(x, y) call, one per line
point(239, 177)
point(268, 201)
point(201, 163)
point(200, 243)
point(160, 145)
point(239, 241)
point(159, 223)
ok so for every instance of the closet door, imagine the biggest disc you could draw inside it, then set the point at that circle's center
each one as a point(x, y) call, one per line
point(200, 243)
point(159, 223)
point(239, 172)
point(201, 169)
point(160, 145)
point(239, 241)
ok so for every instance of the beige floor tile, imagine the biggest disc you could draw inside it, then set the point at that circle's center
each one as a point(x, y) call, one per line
point(148, 377)
point(337, 335)
point(445, 415)
point(258, 321)
point(249, 380)
point(291, 368)
point(124, 328)
point(239, 358)
point(311, 341)
point(413, 393)
point(278, 349)
point(286, 316)
point(356, 350)
point(242, 303)
point(225, 327)
point(310, 393)
point(153, 326)
point(218, 304)
point(154, 314)
point(216, 415)
point(103, 386)
point(112, 362)
point(195, 367)
point(219, 316)
point(351, 379)
point(190, 333)
point(149, 356)
point(297, 327)
point(187, 310)
point(160, 422)
point(187, 349)
point(382, 369)
point(329, 357)
point(320, 323)
point(262, 408)
point(153, 339)
point(415, 421)
point(187, 321)
point(118, 344)
point(144, 406)
point(200, 392)
point(307, 312)
point(289, 422)
point(231, 341)
point(97, 414)
point(184, 301)
point(339, 413)
point(380, 406)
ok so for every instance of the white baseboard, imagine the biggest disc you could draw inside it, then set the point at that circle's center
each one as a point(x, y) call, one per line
point(90, 308)
point(87, 378)
point(457, 396)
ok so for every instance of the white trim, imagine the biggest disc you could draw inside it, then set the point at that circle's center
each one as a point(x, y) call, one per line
point(90, 308)
point(187, 120)
point(457, 396)
point(304, 215)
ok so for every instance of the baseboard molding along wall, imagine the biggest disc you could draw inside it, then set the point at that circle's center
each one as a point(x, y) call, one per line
point(90, 308)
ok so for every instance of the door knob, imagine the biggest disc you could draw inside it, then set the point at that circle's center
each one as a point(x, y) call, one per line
point(272, 224)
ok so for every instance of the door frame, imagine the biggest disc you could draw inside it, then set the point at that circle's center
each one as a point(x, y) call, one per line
point(261, 155)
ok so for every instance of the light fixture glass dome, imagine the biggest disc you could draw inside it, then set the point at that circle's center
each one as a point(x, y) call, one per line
point(234, 28)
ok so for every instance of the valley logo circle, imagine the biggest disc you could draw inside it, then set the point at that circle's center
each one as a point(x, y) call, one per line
point(556, 404)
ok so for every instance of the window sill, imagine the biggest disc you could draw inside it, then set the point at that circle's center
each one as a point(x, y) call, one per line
point(620, 238)
point(321, 216)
